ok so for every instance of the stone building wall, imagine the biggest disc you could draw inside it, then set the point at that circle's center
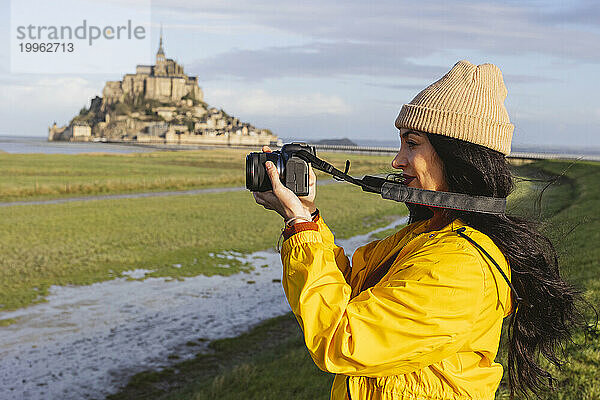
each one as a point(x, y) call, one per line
point(164, 81)
point(112, 92)
point(133, 84)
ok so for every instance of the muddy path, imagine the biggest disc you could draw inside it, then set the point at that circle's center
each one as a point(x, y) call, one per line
point(134, 195)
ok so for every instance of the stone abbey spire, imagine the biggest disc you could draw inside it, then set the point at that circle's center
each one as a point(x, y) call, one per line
point(160, 46)
point(161, 59)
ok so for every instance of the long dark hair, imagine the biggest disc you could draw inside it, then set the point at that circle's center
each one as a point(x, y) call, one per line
point(549, 312)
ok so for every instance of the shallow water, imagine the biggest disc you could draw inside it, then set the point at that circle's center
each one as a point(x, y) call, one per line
point(24, 144)
point(87, 341)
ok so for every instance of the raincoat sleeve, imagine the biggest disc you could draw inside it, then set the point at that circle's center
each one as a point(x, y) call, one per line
point(342, 261)
point(419, 316)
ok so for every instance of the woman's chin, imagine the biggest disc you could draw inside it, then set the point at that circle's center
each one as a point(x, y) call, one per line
point(409, 182)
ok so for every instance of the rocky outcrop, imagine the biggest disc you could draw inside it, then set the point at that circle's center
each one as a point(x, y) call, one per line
point(157, 104)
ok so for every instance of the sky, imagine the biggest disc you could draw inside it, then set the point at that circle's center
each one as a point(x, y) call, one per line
point(334, 69)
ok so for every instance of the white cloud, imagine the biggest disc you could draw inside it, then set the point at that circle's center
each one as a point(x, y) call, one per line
point(415, 28)
point(49, 92)
point(30, 106)
point(260, 102)
point(215, 24)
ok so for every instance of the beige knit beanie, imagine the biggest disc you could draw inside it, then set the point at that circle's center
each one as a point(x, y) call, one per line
point(467, 103)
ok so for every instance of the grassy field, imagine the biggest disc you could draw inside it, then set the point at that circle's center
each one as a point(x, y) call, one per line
point(271, 362)
point(49, 176)
point(79, 243)
point(41, 176)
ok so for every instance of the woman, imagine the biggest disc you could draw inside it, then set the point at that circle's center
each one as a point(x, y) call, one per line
point(418, 315)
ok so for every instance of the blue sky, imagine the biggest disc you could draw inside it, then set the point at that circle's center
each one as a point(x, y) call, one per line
point(324, 69)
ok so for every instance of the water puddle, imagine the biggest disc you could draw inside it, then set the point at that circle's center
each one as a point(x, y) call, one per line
point(86, 341)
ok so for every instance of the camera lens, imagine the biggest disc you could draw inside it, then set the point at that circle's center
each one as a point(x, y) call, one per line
point(257, 179)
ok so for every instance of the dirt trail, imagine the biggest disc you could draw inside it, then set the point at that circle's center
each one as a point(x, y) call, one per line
point(133, 195)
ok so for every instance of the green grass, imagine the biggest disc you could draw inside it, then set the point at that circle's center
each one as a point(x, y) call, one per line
point(49, 176)
point(7, 321)
point(42, 176)
point(80, 243)
point(271, 362)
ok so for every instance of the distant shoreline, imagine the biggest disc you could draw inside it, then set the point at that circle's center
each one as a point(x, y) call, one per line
point(36, 144)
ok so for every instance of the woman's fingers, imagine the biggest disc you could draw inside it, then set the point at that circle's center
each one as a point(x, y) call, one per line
point(309, 200)
point(266, 199)
point(258, 198)
point(266, 149)
point(312, 177)
point(274, 177)
point(280, 198)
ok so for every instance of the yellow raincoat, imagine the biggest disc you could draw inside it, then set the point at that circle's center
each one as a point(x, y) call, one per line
point(429, 329)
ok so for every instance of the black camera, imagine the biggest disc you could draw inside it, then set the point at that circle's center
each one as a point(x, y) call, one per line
point(293, 170)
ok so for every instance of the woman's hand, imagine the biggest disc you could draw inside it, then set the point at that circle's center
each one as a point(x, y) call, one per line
point(283, 200)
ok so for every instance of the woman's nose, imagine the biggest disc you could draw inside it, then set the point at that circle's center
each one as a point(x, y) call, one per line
point(397, 162)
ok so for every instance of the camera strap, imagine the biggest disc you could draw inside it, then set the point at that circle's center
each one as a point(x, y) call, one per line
point(397, 191)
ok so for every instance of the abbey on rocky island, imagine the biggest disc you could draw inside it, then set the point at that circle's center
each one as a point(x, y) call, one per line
point(157, 104)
